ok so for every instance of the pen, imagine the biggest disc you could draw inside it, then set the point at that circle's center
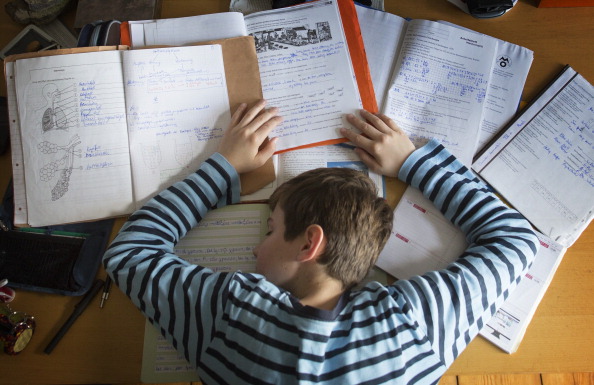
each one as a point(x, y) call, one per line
point(78, 309)
point(106, 289)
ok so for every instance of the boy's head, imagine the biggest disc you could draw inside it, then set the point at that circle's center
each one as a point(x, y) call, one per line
point(344, 203)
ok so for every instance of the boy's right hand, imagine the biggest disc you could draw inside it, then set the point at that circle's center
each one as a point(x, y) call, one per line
point(242, 143)
point(382, 146)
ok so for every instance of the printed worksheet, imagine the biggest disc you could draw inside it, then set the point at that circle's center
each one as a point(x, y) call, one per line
point(509, 71)
point(543, 163)
point(440, 84)
point(508, 326)
point(306, 71)
point(291, 163)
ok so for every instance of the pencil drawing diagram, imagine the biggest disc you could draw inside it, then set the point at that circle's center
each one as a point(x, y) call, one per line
point(183, 152)
point(151, 155)
point(60, 108)
point(284, 37)
point(64, 164)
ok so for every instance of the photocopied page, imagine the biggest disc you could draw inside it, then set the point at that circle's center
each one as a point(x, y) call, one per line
point(306, 71)
point(75, 143)
point(508, 326)
point(177, 107)
point(439, 85)
point(514, 127)
point(223, 241)
point(545, 170)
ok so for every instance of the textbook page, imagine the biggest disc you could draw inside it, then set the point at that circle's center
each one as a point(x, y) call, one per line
point(508, 326)
point(382, 34)
point(187, 30)
point(545, 170)
point(75, 141)
point(16, 149)
point(292, 163)
point(177, 108)
point(439, 85)
point(422, 238)
point(306, 71)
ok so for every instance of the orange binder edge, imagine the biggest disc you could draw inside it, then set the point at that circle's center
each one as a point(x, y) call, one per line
point(322, 143)
point(352, 30)
point(125, 34)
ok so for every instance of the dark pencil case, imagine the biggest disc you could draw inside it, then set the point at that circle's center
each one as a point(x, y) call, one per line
point(60, 259)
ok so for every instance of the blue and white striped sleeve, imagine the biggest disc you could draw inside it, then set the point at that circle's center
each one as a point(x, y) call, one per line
point(453, 304)
point(179, 298)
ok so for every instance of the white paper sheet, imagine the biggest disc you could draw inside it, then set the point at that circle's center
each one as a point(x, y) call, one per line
point(508, 326)
point(187, 30)
point(440, 84)
point(382, 35)
point(305, 70)
point(546, 170)
point(75, 141)
point(177, 108)
point(422, 238)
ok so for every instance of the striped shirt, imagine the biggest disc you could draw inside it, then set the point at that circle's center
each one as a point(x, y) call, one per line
point(239, 328)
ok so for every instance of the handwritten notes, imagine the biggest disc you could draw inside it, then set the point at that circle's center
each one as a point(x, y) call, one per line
point(544, 165)
point(74, 137)
point(306, 71)
point(439, 85)
point(177, 109)
point(101, 132)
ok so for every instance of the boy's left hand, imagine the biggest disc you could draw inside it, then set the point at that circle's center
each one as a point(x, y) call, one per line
point(242, 142)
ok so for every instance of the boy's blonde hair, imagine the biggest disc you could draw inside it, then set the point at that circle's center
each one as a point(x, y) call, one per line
point(344, 202)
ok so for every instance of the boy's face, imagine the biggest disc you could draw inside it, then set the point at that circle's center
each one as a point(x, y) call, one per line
point(276, 258)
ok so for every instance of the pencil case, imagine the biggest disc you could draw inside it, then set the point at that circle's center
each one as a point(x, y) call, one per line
point(60, 259)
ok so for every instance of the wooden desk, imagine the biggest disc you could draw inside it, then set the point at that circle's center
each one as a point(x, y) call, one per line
point(105, 345)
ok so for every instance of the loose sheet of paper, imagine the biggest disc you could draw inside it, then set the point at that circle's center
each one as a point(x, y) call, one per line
point(439, 85)
point(422, 238)
point(75, 142)
point(306, 71)
point(546, 170)
point(177, 108)
point(187, 30)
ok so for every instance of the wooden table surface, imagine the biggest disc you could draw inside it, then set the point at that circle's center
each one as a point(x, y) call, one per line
point(105, 345)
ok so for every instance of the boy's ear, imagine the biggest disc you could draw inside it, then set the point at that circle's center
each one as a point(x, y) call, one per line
point(314, 243)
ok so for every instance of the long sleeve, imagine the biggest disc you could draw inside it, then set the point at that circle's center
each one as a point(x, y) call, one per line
point(142, 264)
point(453, 304)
